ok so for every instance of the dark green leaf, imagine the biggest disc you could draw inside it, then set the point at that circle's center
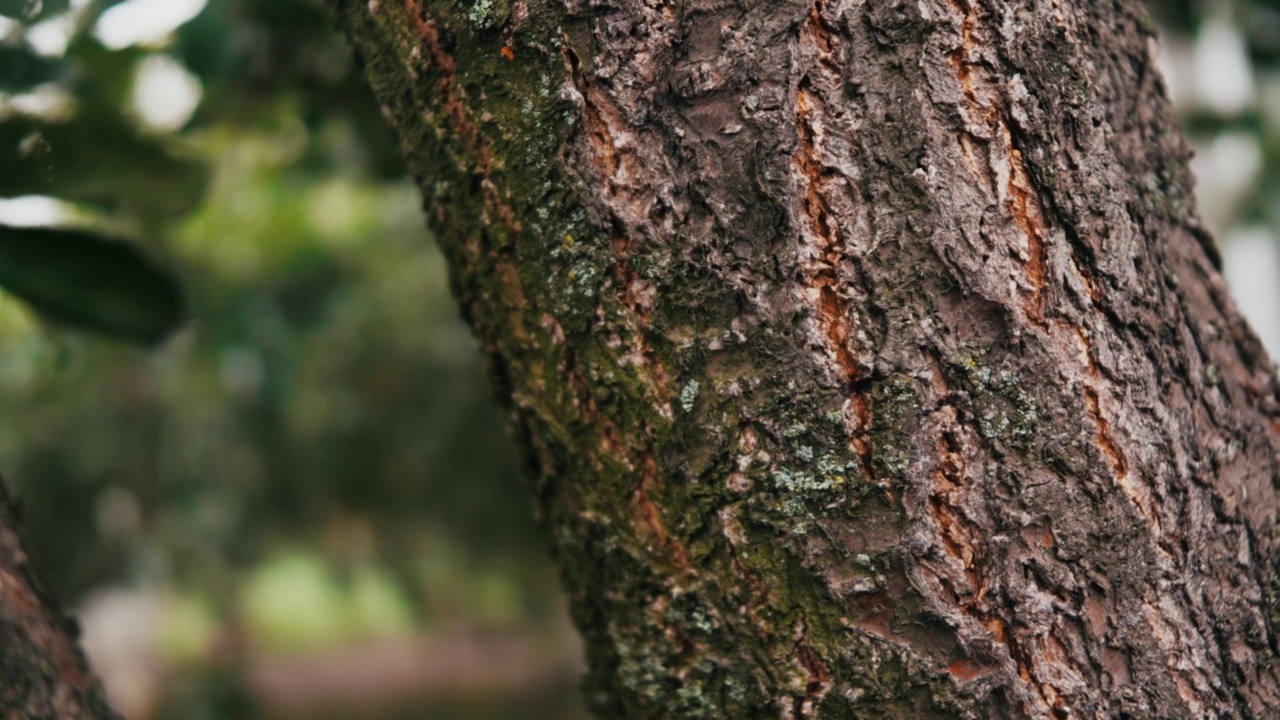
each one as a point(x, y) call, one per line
point(96, 159)
point(88, 280)
point(21, 69)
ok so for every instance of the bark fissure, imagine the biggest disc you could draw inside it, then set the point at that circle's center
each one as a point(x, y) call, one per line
point(828, 271)
point(1002, 169)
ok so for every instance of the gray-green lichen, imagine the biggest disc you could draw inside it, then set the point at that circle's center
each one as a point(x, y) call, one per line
point(688, 395)
point(1005, 411)
point(489, 14)
point(811, 484)
point(578, 266)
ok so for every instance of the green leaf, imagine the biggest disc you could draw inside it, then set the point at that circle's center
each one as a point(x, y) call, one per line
point(96, 159)
point(89, 280)
point(21, 69)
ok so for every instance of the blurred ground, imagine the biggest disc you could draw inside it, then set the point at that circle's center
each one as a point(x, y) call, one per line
point(304, 504)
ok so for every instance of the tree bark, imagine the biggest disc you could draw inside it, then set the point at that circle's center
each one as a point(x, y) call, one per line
point(43, 674)
point(869, 356)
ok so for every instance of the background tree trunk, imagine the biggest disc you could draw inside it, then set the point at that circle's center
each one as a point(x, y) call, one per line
point(869, 357)
point(43, 674)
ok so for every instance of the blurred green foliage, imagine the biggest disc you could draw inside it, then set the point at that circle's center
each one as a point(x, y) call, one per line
point(1255, 25)
point(315, 458)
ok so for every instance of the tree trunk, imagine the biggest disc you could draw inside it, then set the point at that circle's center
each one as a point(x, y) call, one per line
point(869, 356)
point(43, 675)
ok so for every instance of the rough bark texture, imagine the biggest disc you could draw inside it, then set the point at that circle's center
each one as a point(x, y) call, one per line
point(43, 675)
point(870, 358)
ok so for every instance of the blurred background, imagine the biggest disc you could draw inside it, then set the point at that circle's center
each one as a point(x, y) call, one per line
point(303, 504)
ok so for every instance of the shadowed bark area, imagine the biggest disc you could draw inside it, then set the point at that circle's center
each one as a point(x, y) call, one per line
point(869, 357)
point(43, 675)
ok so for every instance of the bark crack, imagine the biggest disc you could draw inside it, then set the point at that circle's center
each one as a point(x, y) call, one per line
point(1003, 169)
point(652, 518)
point(827, 243)
point(964, 541)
